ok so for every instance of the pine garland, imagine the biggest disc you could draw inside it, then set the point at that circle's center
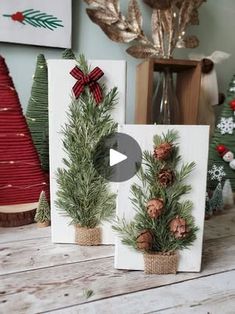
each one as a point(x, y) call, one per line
point(227, 139)
point(83, 194)
point(36, 19)
point(150, 189)
point(37, 111)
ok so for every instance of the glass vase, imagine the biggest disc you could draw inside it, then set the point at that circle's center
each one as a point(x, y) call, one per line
point(165, 108)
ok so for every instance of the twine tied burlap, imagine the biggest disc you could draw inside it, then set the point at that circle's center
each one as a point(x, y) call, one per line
point(88, 236)
point(160, 263)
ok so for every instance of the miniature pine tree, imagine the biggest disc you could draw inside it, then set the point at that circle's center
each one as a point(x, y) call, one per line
point(163, 222)
point(68, 54)
point(37, 110)
point(43, 209)
point(224, 135)
point(209, 211)
point(83, 194)
point(228, 198)
point(216, 201)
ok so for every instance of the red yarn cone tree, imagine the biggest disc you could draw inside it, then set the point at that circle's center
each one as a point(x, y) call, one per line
point(21, 176)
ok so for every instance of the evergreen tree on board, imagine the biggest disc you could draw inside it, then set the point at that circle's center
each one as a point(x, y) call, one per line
point(37, 111)
point(224, 139)
point(163, 223)
point(83, 194)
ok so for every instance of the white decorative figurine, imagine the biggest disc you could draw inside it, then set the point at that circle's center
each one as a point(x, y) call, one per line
point(209, 96)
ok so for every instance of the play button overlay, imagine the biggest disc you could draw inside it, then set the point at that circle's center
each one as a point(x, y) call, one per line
point(117, 157)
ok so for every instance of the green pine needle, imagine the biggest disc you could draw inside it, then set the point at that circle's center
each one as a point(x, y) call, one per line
point(88, 293)
point(83, 194)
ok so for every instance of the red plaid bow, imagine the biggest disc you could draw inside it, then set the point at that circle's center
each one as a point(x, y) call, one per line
point(88, 80)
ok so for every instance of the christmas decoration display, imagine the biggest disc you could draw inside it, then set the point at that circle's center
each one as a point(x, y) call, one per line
point(163, 224)
point(208, 208)
point(36, 18)
point(42, 216)
point(209, 94)
point(34, 23)
point(226, 125)
point(37, 111)
point(221, 154)
point(68, 54)
point(21, 177)
point(228, 198)
point(216, 201)
point(227, 155)
point(170, 20)
point(83, 195)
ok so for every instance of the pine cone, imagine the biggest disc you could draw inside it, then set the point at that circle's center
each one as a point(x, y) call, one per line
point(178, 226)
point(155, 207)
point(166, 177)
point(145, 240)
point(163, 151)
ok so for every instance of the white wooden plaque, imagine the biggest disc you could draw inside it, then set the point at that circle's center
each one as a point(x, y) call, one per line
point(22, 21)
point(60, 91)
point(193, 145)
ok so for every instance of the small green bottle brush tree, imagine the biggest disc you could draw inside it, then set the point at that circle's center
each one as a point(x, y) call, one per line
point(83, 194)
point(43, 216)
point(163, 223)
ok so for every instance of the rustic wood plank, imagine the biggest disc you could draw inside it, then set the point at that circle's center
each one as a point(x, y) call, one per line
point(221, 225)
point(41, 253)
point(214, 295)
point(61, 286)
point(8, 235)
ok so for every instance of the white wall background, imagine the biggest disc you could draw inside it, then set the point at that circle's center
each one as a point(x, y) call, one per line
point(216, 32)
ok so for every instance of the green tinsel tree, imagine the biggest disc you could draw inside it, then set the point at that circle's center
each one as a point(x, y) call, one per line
point(224, 135)
point(163, 222)
point(37, 110)
point(44, 152)
point(68, 54)
point(216, 201)
point(43, 209)
point(83, 194)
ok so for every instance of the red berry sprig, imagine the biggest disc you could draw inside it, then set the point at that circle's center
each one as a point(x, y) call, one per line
point(18, 16)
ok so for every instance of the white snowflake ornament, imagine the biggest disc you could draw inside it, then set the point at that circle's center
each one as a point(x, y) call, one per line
point(217, 173)
point(226, 125)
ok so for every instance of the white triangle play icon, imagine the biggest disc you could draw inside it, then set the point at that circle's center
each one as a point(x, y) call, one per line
point(115, 157)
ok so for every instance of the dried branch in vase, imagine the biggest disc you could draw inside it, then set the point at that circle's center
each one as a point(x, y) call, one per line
point(170, 19)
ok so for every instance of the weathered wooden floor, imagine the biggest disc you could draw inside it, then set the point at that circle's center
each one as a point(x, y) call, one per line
point(37, 276)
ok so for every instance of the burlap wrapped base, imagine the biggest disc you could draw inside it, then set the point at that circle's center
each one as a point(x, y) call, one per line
point(88, 237)
point(160, 263)
point(43, 224)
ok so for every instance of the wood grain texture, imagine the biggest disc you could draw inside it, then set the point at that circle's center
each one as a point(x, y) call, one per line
point(144, 92)
point(8, 235)
point(213, 294)
point(220, 226)
point(61, 286)
point(41, 253)
point(187, 89)
point(188, 92)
